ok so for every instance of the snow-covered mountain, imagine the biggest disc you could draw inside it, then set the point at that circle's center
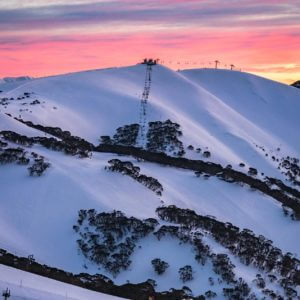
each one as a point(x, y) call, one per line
point(242, 120)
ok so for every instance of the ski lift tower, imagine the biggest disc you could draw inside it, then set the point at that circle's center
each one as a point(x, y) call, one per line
point(216, 64)
point(149, 63)
point(6, 294)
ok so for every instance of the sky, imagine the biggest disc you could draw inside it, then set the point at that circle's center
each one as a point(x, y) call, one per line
point(48, 37)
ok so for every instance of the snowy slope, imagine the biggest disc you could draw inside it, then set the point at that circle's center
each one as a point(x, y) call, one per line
point(227, 112)
point(9, 83)
point(271, 106)
point(257, 112)
point(8, 123)
point(24, 285)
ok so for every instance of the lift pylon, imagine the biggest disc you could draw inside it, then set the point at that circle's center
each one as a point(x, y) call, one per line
point(144, 101)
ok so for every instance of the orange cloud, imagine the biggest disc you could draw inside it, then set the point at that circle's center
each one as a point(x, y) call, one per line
point(259, 36)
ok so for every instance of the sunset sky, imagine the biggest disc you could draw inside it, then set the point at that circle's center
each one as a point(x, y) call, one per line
point(45, 37)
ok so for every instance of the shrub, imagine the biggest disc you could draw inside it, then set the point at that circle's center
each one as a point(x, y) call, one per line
point(206, 154)
point(129, 169)
point(109, 239)
point(252, 172)
point(164, 137)
point(210, 294)
point(159, 266)
point(105, 139)
point(186, 273)
point(259, 281)
point(38, 168)
point(126, 135)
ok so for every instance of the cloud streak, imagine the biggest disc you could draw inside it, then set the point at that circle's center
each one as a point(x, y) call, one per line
point(169, 13)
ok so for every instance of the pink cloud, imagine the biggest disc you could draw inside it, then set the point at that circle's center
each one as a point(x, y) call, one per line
point(209, 30)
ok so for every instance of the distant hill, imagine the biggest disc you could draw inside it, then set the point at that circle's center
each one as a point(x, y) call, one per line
point(13, 79)
point(296, 84)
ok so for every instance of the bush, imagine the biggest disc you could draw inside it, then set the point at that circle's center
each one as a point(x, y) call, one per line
point(223, 267)
point(129, 169)
point(105, 139)
point(210, 294)
point(159, 266)
point(109, 239)
point(252, 172)
point(3, 144)
point(186, 273)
point(164, 137)
point(38, 168)
point(206, 154)
point(126, 135)
point(259, 281)
point(255, 250)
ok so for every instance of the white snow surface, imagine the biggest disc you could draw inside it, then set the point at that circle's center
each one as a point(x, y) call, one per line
point(28, 286)
point(225, 112)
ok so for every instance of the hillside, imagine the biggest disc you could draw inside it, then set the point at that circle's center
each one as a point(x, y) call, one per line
point(23, 285)
point(296, 84)
point(237, 117)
